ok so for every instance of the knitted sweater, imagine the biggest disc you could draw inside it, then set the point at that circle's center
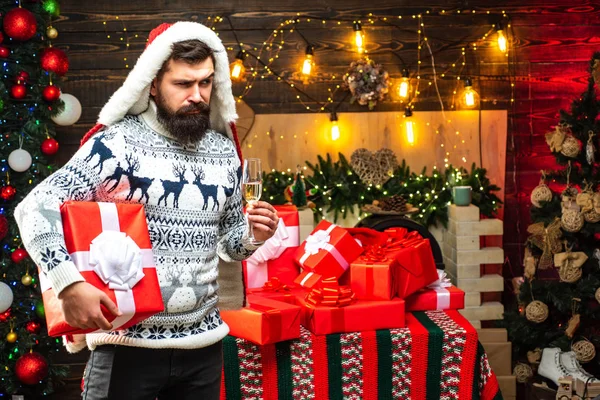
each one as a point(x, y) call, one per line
point(192, 199)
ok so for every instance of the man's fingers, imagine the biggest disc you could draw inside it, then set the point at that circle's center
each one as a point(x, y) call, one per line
point(265, 221)
point(109, 304)
point(103, 323)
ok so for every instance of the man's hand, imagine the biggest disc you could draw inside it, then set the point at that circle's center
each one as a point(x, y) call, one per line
point(264, 219)
point(80, 303)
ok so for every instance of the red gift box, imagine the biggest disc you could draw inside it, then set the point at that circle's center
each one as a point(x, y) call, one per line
point(417, 267)
point(98, 237)
point(359, 316)
point(373, 280)
point(439, 298)
point(328, 250)
point(275, 258)
point(276, 290)
point(264, 321)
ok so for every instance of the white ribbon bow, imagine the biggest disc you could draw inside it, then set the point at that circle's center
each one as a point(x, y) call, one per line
point(442, 282)
point(317, 241)
point(117, 260)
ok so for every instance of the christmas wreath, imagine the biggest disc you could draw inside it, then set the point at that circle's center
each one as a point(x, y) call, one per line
point(368, 82)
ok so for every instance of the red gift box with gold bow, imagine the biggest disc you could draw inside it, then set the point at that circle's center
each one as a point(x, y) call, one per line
point(416, 265)
point(110, 245)
point(264, 321)
point(332, 309)
point(327, 252)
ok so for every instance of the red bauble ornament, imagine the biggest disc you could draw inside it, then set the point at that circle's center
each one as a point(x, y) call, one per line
point(5, 315)
point(4, 52)
point(49, 146)
point(33, 327)
point(51, 93)
point(22, 77)
point(55, 60)
point(18, 255)
point(20, 24)
point(7, 192)
point(3, 227)
point(18, 91)
point(31, 368)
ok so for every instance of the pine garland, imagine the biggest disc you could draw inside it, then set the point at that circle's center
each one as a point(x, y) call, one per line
point(340, 190)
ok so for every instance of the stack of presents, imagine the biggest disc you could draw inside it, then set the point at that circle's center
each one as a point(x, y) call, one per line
point(338, 280)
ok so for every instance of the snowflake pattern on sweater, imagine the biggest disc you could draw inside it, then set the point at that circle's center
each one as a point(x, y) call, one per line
point(192, 200)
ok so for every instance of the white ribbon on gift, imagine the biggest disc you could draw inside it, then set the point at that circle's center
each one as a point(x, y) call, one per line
point(256, 265)
point(318, 241)
point(443, 294)
point(116, 259)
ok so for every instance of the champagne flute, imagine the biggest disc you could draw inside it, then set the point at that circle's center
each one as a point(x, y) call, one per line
point(252, 185)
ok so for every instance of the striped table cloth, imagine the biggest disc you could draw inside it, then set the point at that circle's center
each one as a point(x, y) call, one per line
point(437, 356)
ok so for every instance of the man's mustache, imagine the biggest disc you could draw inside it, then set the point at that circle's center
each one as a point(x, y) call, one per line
point(203, 108)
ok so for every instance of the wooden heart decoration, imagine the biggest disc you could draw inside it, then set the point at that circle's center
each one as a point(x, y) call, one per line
point(374, 168)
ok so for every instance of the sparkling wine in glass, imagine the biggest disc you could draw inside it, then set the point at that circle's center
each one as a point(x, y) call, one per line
point(252, 184)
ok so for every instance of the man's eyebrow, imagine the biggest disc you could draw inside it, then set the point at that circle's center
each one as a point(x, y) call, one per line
point(183, 80)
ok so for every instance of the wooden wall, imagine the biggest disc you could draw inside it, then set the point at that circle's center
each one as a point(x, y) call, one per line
point(553, 42)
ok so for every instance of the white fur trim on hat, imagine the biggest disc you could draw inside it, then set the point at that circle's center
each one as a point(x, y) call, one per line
point(133, 96)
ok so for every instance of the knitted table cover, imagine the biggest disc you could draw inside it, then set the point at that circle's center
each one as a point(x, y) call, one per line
point(437, 356)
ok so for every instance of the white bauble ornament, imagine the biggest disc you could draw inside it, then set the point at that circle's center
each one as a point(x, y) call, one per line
point(6, 297)
point(71, 113)
point(19, 160)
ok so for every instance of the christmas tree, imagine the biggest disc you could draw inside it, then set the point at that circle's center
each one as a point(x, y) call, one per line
point(558, 297)
point(31, 104)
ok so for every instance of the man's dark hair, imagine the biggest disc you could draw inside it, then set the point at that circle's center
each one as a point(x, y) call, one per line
point(190, 51)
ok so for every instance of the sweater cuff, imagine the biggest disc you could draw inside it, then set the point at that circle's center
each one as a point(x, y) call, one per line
point(63, 275)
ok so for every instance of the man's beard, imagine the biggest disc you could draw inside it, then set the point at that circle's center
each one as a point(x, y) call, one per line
point(185, 127)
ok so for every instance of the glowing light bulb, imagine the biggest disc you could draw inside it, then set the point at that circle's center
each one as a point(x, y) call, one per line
point(404, 86)
point(335, 129)
point(359, 38)
point(409, 126)
point(308, 61)
point(236, 68)
point(502, 42)
point(470, 98)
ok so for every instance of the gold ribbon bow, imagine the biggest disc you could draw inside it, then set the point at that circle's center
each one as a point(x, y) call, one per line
point(570, 260)
point(330, 294)
point(555, 139)
point(547, 239)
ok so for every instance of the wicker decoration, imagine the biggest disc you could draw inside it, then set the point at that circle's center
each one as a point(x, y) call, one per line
point(547, 239)
point(529, 262)
point(570, 147)
point(523, 372)
point(591, 216)
point(534, 356)
point(590, 150)
point(569, 265)
point(572, 221)
point(597, 295)
point(596, 202)
point(584, 200)
point(584, 350)
point(536, 311)
point(540, 193)
point(569, 198)
point(374, 168)
point(555, 139)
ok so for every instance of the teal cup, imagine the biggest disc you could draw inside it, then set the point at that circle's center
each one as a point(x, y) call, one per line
point(462, 195)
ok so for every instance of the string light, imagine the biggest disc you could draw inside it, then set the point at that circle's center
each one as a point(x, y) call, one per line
point(335, 129)
point(404, 86)
point(470, 96)
point(237, 67)
point(359, 37)
point(502, 42)
point(308, 60)
point(409, 126)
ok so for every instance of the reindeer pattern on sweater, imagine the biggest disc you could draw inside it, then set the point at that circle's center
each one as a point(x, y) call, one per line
point(193, 208)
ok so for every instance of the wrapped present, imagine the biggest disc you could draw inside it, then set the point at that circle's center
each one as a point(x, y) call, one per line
point(308, 279)
point(373, 275)
point(275, 258)
point(415, 259)
point(440, 295)
point(110, 245)
point(331, 309)
point(276, 290)
point(264, 321)
point(328, 251)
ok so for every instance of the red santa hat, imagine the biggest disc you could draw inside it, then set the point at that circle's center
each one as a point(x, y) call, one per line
point(133, 96)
